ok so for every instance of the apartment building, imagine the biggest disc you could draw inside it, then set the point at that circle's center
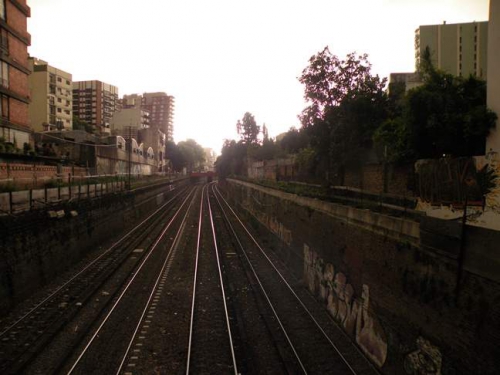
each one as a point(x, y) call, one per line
point(14, 71)
point(459, 49)
point(161, 108)
point(399, 83)
point(128, 121)
point(95, 102)
point(493, 93)
point(51, 97)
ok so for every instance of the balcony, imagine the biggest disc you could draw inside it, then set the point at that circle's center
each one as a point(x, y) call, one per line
point(4, 83)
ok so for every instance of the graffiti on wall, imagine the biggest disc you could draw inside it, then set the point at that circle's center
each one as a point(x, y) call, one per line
point(452, 180)
point(350, 311)
point(491, 166)
point(444, 185)
point(425, 360)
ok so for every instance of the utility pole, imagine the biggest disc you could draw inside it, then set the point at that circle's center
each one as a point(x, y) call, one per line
point(129, 155)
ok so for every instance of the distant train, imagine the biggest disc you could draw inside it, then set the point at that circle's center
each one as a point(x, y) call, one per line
point(202, 176)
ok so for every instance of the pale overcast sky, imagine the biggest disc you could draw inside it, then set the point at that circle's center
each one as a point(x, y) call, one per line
point(222, 58)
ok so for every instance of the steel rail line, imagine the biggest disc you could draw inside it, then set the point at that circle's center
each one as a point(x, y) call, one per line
point(190, 342)
point(127, 286)
point(257, 278)
point(167, 260)
point(288, 285)
point(222, 285)
point(87, 267)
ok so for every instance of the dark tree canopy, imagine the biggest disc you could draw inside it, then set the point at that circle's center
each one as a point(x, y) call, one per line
point(232, 159)
point(445, 115)
point(186, 154)
point(82, 125)
point(347, 105)
point(248, 129)
point(329, 82)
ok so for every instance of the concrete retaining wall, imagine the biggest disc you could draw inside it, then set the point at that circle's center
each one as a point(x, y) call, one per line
point(416, 297)
point(37, 246)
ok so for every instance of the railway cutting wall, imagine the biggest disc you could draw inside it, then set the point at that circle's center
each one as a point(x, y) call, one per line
point(36, 247)
point(416, 297)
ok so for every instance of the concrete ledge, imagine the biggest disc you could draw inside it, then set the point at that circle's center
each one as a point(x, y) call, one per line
point(394, 227)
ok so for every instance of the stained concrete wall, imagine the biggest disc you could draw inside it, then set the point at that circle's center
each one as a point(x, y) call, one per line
point(36, 247)
point(399, 288)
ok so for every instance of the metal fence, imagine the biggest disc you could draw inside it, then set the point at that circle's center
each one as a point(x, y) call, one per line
point(12, 202)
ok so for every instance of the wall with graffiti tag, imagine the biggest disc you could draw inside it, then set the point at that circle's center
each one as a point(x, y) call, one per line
point(397, 287)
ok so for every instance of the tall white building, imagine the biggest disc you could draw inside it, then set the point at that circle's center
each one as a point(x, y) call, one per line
point(493, 94)
point(459, 49)
point(51, 97)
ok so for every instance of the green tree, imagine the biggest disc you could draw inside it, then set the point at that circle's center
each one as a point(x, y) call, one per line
point(248, 129)
point(294, 140)
point(346, 105)
point(231, 161)
point(173, 155)
point(186, 154)
point(267, 151)
point(82, 125)
point(445, 115)
point(192, 154)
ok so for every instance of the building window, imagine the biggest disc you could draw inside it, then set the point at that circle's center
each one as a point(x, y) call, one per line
point(4, 106)
point(2, 9)
point(4, 40)
point(4, 74)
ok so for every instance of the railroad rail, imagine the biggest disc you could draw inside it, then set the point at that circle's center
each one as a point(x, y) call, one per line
point(22, 337)
point(304, 330)
point(209, 322)
point(97, 339)
point(189, 290)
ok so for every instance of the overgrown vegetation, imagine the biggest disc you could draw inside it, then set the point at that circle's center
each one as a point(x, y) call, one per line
point(83, 125)
point(186, 154)
point(446, 115)
point(350, 115)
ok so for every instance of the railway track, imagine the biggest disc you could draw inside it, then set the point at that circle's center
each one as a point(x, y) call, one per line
point(190, 290)
point(105, 351)
point(23, 336)
point(317, 344)
point(211, 347)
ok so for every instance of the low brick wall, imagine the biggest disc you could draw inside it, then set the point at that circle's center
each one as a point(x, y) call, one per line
point(371, 178)
point(32, 175)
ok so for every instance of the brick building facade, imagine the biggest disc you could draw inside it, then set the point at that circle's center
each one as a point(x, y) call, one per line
point(14, 90)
